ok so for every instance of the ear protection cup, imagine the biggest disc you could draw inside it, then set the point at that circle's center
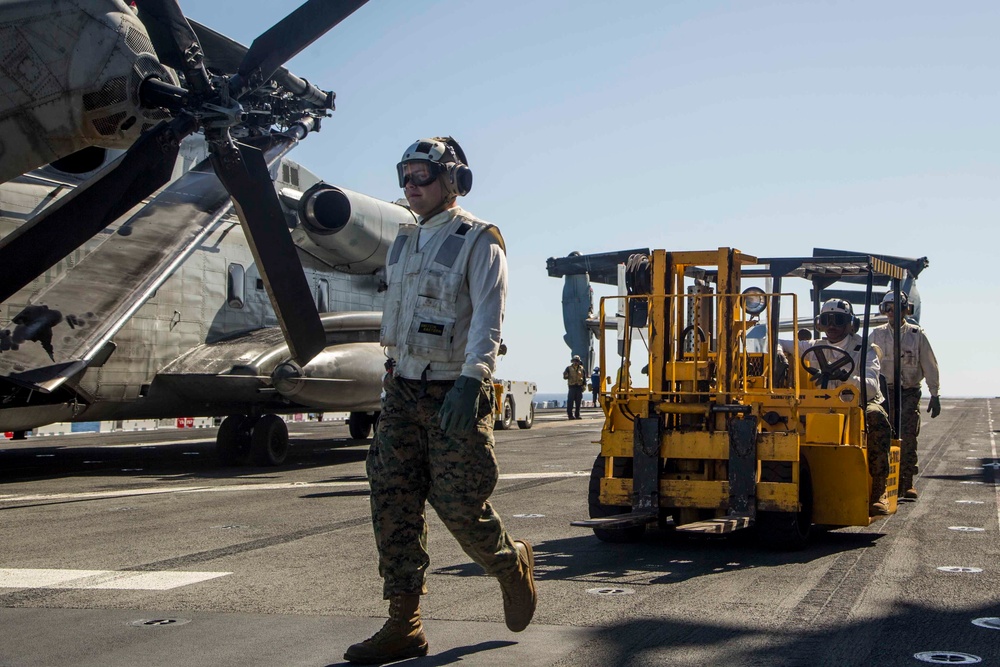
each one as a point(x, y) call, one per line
point(458, 179)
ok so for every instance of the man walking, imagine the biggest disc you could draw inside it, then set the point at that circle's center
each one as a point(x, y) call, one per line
point(916, 364)
point(447, 283)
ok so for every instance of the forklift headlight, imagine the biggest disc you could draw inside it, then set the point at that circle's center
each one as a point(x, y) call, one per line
point(754, 301)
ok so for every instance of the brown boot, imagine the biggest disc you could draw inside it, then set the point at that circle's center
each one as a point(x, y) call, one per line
point(879, 505)
point(402, 636)
point(906, 489)
point(911, 493)
point(519, 595)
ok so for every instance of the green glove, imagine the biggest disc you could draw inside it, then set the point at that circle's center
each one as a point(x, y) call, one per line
point(461, 406)
point(934, 406)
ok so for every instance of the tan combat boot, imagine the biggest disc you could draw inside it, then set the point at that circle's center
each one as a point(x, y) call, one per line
point(402, 636)
point(519, 595)
point(879, 506)
point(906, 489)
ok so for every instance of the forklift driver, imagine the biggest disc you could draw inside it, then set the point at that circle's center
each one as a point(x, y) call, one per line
point(836, 321)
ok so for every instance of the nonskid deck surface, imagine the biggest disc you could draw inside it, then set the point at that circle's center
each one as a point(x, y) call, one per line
point(146, 553)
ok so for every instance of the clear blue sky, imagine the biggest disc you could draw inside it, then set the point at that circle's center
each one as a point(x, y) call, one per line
point(773, 127)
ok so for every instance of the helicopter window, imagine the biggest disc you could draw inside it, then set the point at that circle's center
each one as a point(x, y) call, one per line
point(235, 286)
point(290, 174)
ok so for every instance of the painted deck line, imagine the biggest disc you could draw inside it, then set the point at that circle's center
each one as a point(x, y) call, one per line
point(993, 451)
point(233, 488)
point(102, 579)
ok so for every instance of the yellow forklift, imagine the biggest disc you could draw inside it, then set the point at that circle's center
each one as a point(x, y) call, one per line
point(710, 427)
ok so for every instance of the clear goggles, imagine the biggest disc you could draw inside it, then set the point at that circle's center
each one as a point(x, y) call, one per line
point(886, 307)
point(418, 172)
point(835, 319)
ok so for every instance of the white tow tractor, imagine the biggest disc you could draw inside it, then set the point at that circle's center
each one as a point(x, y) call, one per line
point(515, 401)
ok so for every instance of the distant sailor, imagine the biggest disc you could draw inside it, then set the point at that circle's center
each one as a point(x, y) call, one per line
point(917, 363)
point(576, 378)
point(447, 280)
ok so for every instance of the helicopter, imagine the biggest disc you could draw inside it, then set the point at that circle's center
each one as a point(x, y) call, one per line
point(161, 255)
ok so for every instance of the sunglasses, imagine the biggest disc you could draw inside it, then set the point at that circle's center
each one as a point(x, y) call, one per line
point(835, 319)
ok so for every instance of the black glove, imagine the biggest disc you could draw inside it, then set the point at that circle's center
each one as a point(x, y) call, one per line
point(934, 406)
point(461, 406)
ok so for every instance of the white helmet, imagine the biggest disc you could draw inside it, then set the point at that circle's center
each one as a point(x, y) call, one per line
point(446, 159)
point(889, 300)
point(837, 312)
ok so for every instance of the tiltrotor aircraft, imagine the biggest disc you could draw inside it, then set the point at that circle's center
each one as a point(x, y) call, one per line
point(154, 233)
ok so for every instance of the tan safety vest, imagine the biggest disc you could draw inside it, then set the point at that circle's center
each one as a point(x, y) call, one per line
point(425, 320)
point(575, 374)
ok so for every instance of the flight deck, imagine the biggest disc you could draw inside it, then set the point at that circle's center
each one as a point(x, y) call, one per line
point(139, 548)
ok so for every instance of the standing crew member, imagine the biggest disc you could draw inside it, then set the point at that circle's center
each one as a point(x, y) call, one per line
point(447, 280)
point(576, 378)
point(836, 320)
point(595, 384)
point(916, 363)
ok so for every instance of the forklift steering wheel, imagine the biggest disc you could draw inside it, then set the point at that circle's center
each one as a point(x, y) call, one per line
point(828, 370)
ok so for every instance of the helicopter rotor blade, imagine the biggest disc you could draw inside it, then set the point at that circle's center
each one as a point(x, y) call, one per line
point(243, 170)
point(288, 37)
point(58, 230)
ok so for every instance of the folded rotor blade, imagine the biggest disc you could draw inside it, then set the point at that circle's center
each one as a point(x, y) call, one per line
point(175, 42)
point(290, 35)
point(244, 172)
point(40, 243)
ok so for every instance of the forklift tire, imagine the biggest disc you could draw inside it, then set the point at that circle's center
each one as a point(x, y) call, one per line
point(788, 531)
point(623, 468)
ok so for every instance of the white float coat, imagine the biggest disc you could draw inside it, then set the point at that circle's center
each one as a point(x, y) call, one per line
point(916, 356)
point(486, 286)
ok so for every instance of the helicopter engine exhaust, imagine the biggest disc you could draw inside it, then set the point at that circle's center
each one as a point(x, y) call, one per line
point(353, 230)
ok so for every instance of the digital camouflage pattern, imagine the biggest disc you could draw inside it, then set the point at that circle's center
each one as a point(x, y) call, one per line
point(411, 461)
point(909, 430)
point(879, 441)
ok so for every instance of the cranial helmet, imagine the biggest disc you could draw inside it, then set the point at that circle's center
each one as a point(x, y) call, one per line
point(837, 306)
point(446, 159)
point(576, 357)
point(889, 300)
point(837, 312)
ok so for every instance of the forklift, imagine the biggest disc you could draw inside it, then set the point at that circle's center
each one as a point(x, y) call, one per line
point(716, 421)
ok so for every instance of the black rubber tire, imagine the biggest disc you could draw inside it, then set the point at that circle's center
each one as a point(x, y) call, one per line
point(360, 425)
point(269, 441)
point(530, 421)
point(623, 468)
point(506, 415)
point(788, 531)
point(232, 441)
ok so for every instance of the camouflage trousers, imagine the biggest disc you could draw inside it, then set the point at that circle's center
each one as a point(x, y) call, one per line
point(909, 429)
point(412, 462)
point(879, 440)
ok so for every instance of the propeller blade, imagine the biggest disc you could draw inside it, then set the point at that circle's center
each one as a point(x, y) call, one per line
point(289, 36)
point(40, 243)
point(243, 170)
point(175, 42)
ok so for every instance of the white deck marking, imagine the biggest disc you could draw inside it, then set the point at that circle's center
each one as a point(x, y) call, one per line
point(993, 450)
point(102, 579)
point(231, 488)
point(129, 445)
